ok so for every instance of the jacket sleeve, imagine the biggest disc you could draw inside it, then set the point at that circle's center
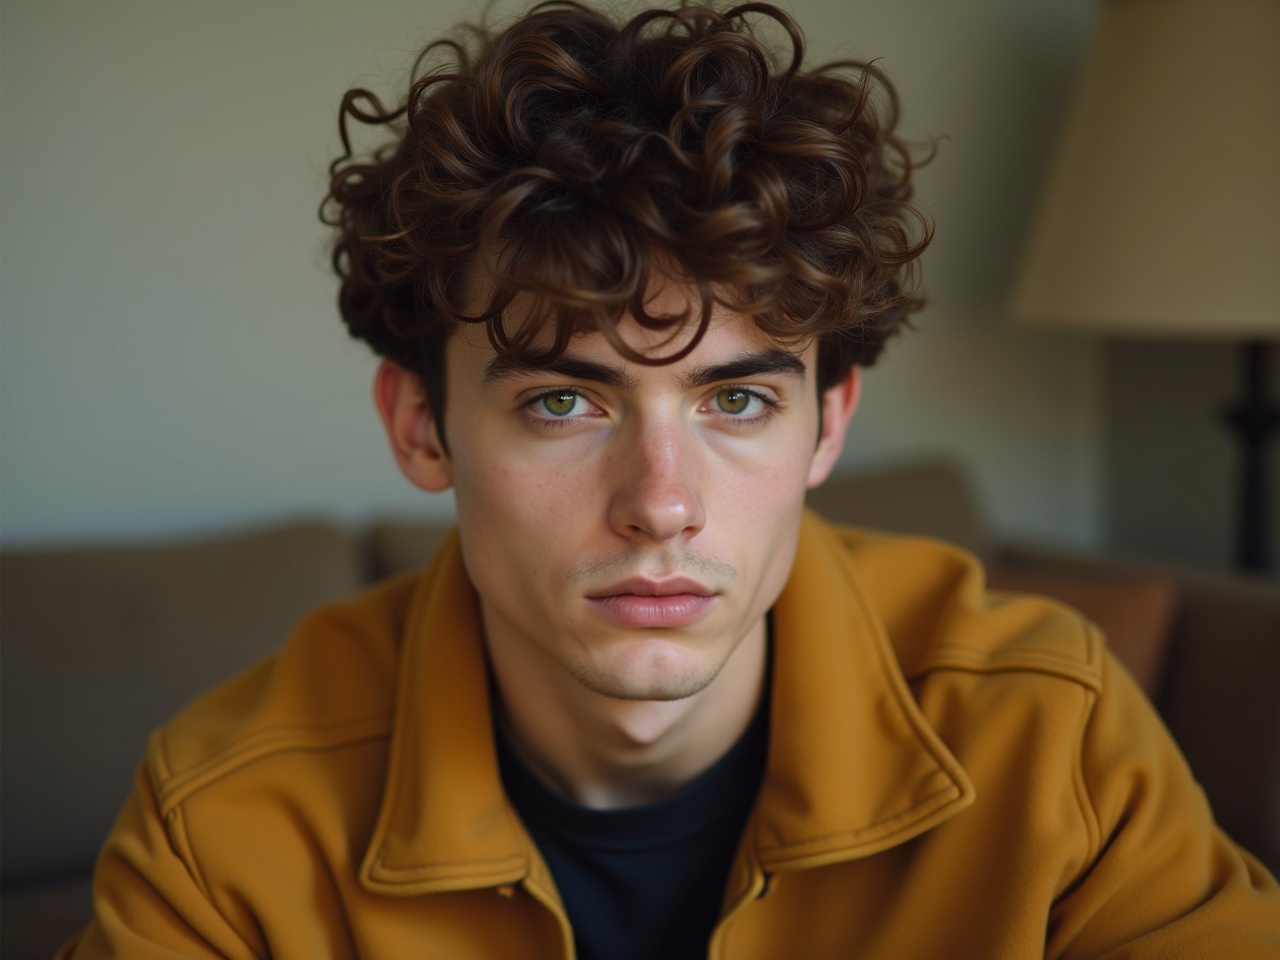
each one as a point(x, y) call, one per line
point(149, 902)
point(1163, 881)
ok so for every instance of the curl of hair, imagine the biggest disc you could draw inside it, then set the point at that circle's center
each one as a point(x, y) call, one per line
point(569, 160)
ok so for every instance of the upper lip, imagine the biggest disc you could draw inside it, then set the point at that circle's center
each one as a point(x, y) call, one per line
point(644, 587)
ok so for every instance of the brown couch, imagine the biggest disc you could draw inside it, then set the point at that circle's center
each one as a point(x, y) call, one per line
point(101, 644)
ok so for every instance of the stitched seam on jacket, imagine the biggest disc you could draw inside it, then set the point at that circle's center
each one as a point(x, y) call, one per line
point(1078, 674)
point(1088, 814)
point(878, 829)
point(175, 826)
point(1085, 669)
point(481, 866)
point(176, 787)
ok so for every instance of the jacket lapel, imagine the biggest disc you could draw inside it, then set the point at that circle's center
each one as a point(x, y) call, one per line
point(445, 823)
point(854, 767)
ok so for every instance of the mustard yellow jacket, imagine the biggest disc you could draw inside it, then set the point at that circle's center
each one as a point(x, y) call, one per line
point(951, 774)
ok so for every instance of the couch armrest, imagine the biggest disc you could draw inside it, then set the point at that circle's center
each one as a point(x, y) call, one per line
point(1220, 693)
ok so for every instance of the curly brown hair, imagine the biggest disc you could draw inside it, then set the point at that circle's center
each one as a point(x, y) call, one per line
point(569, 159)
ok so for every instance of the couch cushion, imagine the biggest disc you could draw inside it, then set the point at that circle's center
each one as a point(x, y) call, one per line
point(398, 546)
point(932, 499)
point(101, 645)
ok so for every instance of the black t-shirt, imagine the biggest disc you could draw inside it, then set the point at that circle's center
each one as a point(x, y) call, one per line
point(644, 882)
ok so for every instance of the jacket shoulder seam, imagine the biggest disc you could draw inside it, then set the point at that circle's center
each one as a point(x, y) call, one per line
point(174, 786)
point(174, 826)
point(1088, 811)
point(1083, 667)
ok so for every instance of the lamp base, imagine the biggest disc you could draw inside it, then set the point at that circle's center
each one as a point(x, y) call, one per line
point(1255, 419)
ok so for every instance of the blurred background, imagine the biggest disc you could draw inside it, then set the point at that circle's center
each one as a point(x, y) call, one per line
point(172, 363)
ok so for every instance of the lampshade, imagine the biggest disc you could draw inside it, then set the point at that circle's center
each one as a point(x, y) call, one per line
point(1162, 211)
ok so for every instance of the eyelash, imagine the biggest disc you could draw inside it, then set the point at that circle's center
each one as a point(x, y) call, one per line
point(552, 423)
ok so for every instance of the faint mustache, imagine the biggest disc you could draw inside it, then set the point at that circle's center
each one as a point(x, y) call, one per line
point(641, 562)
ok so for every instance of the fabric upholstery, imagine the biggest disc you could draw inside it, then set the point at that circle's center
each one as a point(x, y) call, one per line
point(103, 644)
point(931, 499)
point(396, 547)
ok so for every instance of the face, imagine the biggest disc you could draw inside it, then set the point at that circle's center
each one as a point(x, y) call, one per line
point(631, 525)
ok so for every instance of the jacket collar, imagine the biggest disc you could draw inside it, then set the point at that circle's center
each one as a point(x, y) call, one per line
point(853, 768)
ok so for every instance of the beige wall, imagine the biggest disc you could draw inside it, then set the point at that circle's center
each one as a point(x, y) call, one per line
point(170, 357)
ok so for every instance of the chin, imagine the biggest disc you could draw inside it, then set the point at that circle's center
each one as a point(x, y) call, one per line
point(648, 675)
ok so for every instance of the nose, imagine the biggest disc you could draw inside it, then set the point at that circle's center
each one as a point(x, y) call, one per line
point(655, 493)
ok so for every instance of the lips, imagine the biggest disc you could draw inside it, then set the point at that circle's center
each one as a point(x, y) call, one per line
point(640, 602)
point(644, 587)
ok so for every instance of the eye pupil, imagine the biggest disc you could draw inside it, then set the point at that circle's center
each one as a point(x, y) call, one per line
point(560, 404)
point(733, 401)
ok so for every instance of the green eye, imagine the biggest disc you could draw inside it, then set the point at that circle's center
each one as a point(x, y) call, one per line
point(560, 404)
point(733, 401)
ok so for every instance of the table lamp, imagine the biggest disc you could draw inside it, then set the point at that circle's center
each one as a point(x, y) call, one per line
point(1161, 215)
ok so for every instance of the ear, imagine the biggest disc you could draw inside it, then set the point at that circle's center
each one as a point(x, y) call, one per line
point(838, 404)
point(411, 427)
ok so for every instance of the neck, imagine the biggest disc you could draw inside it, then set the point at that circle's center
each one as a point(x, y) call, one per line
point(607, 753)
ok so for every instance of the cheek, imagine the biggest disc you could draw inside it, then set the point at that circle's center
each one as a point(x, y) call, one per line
point(756, 513)
point(514, 514)
point(757, 483)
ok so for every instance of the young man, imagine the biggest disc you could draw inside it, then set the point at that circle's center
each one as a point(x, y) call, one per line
point(641, 705)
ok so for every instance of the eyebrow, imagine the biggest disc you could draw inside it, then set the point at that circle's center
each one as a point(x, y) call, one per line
point(746, 366)
point(575, 368)
point(742, 367)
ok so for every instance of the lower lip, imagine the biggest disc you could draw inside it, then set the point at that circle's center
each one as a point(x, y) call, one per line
point(632, 610)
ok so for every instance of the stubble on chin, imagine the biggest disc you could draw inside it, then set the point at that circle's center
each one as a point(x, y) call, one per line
point(618, 684)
